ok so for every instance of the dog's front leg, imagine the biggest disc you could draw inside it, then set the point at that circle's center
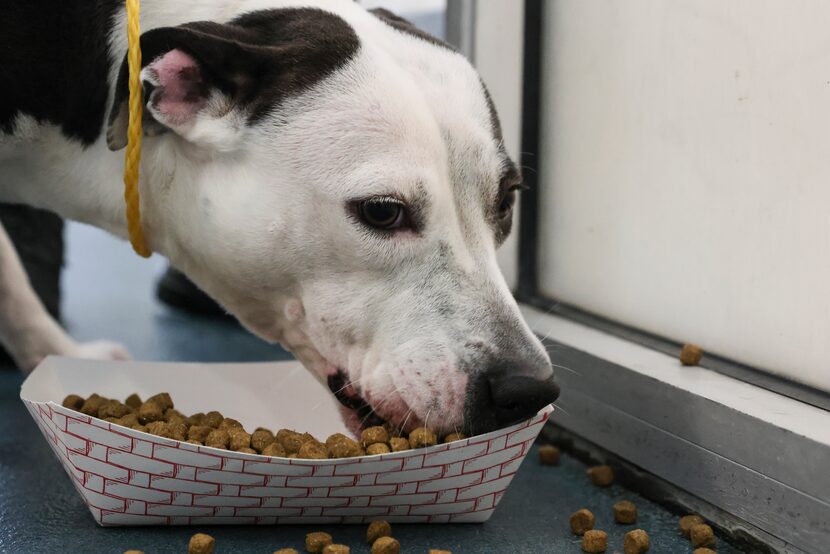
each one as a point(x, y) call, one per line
point(27, 331)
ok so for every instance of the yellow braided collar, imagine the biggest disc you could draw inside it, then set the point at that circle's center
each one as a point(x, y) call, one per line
point(133, 153)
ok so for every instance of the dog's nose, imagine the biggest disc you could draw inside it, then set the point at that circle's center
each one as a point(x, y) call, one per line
point(494, 402)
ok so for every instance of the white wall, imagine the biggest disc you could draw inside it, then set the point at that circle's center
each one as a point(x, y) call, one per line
point(499, 31)
point(687, 172)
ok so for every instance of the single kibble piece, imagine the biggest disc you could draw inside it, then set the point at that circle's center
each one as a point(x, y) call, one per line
point(313, 451)
point(172, 415)
point(452, 437)
point(422, 437)
point(378, 529)
point(196, 419)
point(150, 411)
point(113, 408)
point(239, 438)
point(246, 450)
point(581, 521)
point(704, 551)
point(274, 449)
point(702, 535)
point(261, 438)
point(201, 544)
point(549, 455)
point(133, 401)
point(163, 400)
point(92, 404)
point(213, 419)
point(690, 354)
point(687, 522)
point(316, 542)
point(159, 428)
point(377, 448)
point(341, 446)
point(133, 552)
point(386, 545)
point(373, 435)
point(286, 551)
point(398, 444)
point(199, 432)
point(290, 440)
point(140, 427)
point(625, 512)
point(636, 542)
point(129, 420)
point(229, 423)
point(601, 476)
point(434, 551)
point(218, 438)
point(594, 541)
point(73, 402)
point(178, 431)
point(336, 549)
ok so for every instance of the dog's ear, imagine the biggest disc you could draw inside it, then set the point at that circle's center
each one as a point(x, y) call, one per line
point(205, 81)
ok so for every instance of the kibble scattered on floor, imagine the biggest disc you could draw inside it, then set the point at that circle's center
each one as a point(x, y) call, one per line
point(386, 545)
point(201, 544)
point(636, 542)
point(601, 476)
point(691, 354)
point(594, 541)
point(581, 521)
point(317, 541)
point(336, 549)
point(625, 512)
point(702, 535)
point(704, 551)
point(549, 455)
point(378, 529)
point(687, 522)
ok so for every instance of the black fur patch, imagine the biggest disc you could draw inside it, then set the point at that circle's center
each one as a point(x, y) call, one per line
point(54, 63)
point(259, 59)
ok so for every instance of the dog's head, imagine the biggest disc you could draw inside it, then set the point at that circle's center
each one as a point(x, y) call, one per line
point(339, 183)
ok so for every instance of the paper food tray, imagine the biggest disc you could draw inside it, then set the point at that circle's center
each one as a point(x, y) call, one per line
point(127, 477)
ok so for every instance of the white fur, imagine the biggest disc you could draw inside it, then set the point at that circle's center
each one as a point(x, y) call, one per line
point(256, 216)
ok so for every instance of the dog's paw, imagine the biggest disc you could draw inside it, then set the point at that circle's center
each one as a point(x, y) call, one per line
point(101, 350)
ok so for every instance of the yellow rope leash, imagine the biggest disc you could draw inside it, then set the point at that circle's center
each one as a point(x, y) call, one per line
point(133, 153)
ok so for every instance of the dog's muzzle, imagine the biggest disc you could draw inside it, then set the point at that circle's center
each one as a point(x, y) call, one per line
point(348, 396)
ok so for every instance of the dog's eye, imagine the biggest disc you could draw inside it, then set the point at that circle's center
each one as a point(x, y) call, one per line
point(507, 203)
point(382, 213)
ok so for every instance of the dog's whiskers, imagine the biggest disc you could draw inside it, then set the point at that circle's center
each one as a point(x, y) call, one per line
point(561, 409)
point(575, 372)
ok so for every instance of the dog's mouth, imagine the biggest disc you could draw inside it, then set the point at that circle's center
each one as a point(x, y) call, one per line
point(347, 395)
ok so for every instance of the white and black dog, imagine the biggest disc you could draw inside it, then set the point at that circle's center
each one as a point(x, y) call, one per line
point(334, 177)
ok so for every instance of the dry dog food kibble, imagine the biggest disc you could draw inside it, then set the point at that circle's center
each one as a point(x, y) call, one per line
point(133, 552)
point(581, 521)
point(421, 437)
point(316, 542)
point(452, 437)
point(158, 416)
point(625, 512)
point(433, 551)
point(548, 455)
point(691, 354)
point(687, 522)
point(702, 535)
point(601, 476)
point(374, 435)
point(201, 544)
point(386, 545)
point(398, 444)
point(336, 549)
point(636, 542)
point(286, 551)
point(377, 448)
point(378, 529)
point(704, 551)
point(594, 541)
point(261, 438)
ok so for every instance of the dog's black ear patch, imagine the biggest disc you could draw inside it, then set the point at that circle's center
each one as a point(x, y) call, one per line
point(405, 26)
point(257, 61)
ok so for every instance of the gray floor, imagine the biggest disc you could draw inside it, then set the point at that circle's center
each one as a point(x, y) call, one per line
point(109, 293)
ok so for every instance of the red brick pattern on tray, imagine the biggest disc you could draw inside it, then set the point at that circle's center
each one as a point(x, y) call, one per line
point(132, 478)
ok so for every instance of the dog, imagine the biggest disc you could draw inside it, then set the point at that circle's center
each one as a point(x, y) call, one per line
point(335, 178)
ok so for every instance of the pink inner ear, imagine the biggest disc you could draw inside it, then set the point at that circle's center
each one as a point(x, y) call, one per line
point(181, 92)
